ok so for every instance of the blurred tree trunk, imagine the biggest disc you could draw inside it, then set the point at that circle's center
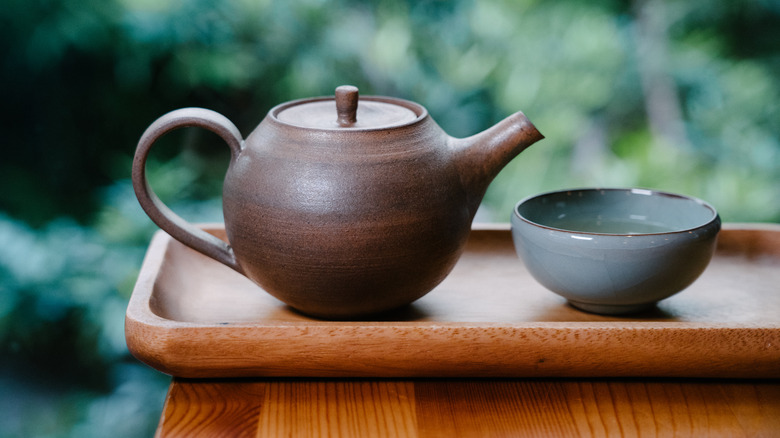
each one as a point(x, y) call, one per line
point(590, 150)
point(662, 101)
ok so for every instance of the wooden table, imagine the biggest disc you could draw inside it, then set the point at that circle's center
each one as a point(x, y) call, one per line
point(471, 408)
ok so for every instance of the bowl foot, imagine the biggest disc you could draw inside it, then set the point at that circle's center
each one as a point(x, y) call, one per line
point(610, 309)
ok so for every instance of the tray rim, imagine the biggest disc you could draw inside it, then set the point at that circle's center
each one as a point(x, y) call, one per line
point(141, 322)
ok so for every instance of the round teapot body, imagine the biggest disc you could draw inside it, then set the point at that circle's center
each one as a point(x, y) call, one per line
point(346, 222)
point(341, 207)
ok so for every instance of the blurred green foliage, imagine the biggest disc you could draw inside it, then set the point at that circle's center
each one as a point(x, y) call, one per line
point(679, 95)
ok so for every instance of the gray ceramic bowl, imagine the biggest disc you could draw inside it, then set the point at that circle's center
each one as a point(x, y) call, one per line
point(614, 251)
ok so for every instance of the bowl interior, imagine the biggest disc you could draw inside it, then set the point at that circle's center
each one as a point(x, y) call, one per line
point(616, 211)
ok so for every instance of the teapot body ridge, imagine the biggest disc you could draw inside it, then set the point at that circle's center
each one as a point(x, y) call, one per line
point(351, 224)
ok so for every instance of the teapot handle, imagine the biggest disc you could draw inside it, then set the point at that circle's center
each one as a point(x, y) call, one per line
point(160, 214)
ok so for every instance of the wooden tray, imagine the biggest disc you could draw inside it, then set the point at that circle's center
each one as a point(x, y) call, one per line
point(190, 316)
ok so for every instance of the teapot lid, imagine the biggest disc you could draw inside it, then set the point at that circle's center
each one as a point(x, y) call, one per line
point(347, 111)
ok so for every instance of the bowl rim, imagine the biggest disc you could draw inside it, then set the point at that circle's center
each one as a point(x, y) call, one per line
point(644, 191)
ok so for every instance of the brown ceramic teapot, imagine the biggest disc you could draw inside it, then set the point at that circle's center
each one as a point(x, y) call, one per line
point(342, 207)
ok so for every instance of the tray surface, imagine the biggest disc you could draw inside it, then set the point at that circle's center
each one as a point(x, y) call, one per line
point(190, 316)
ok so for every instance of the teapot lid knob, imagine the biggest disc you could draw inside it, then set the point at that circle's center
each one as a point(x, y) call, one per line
point(374, 112)
point(346, 105)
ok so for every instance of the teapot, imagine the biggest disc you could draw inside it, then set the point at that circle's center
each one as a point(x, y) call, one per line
point(341, 206)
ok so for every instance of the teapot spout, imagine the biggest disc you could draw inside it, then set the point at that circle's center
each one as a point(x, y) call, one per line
point(480, 157)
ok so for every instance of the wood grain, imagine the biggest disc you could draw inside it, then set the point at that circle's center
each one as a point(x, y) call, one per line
point(213, 408)
point(338, 408)
point(471, 408)
point(192, 317)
